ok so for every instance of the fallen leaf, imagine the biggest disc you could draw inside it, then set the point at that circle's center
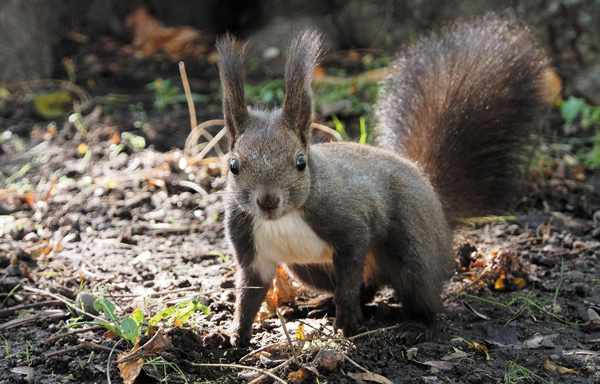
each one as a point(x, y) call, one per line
point(550, 366)
point(300, 332)
point(301, 375)
point(130, 369)
point(28, 198)
point(329, 360)
point(482, 348)
point(28, 372)
point(519, 283)
point(369, 376)
point(441, 365)
point(152, 36)
point(412, 353)
point(53, 105)
point(130, 363)
point(455, 356)
point(499, 284)
point(540, 341)
point(552, 85)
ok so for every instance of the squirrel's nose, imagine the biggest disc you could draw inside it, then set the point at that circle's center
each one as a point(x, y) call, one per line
point(268, 201)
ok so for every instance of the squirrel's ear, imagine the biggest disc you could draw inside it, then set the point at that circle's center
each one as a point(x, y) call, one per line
point(231, 70)
point(302, 55)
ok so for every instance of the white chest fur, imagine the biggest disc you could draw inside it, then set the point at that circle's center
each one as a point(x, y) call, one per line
point(287, 240)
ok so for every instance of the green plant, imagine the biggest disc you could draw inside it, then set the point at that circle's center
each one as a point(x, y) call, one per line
point(221, 255)
point(166, 365)
point(575, 107)
point(268, 92)
point(520, 304)
point(166, 94)
point(129, 328)
point(180, 312)
point(515, 374)
point(339, 127)
point(12, 291)
point(134, 325)
point(20, 173)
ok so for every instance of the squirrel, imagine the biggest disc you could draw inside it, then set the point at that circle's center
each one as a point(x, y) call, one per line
point(453, 121)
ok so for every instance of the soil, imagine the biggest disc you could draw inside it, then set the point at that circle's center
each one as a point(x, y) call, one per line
point(93, 210)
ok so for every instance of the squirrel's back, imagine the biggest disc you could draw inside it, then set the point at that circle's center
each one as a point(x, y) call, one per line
point(462, 106)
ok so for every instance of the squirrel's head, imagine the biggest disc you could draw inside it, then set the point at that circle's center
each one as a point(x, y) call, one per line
point(269, 173)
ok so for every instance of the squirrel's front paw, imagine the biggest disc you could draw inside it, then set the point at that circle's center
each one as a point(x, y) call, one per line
point(239, 339)
point(349, 320)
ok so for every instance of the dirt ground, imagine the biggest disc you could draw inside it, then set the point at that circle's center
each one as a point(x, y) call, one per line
point(84, 207)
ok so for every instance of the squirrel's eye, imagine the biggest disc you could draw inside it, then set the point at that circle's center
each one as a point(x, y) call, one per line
point(234, 167)
point(301, 162)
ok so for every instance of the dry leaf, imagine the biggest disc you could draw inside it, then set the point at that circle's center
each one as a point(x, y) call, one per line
point(301, 375)
point(519, 283)
point(300, 332)
point(329, 359)
point(549, 365)
point(499, 284)
point(540, 341)
point(130, 369)
point(441, 365)
point(455, 356)
point(28, 198)
point(369, 376)
point(552, 86)
point(482, 348)
point(130, 363)
point(152, 36)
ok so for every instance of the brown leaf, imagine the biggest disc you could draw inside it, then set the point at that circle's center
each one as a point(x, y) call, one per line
point(329, 360)
point(152, 36)
point(482, 348)
point(301, 375)
point(550, 366)
point(441, 365)
point(369, 376)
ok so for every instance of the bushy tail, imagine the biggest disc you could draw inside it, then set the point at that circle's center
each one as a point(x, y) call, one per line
point(462, 105)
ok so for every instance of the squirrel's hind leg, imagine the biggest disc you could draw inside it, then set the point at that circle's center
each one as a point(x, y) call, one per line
point(418, 286)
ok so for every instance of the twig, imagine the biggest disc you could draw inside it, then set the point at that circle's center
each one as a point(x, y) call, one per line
point(197, 132)
point(191, 185)
point(263, 371)
point(188, 95)
point(74, 332)
point(259, 350)
point(211, 144)
point(365, 369)
point(108, 360)
point(162, 293)
point(289, 338)
point(373, 331)
point(20, 322)
point(9, 311)
point(327, 130)
point(260, 378)
point(66, 301)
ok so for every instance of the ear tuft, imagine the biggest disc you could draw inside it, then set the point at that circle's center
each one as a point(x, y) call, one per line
point(231, 71)
point(303, 52)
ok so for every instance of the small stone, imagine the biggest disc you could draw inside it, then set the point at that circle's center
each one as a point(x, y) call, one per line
point(85, 301)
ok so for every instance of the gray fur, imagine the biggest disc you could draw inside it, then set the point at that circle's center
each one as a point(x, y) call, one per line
point(377, 210)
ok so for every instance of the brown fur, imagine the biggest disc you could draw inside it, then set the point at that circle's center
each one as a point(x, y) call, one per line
point(462, 105)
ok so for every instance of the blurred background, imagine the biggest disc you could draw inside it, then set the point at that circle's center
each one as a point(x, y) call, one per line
point(93, 70)
point(116, 47)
